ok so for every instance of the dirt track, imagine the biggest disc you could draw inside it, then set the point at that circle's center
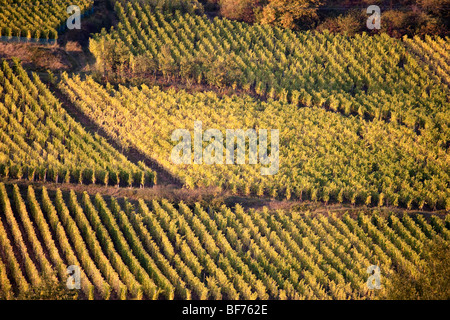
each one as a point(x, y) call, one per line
point(133, 154)
point(213, 197)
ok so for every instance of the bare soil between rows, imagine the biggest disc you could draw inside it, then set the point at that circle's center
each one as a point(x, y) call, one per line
point(214, 198)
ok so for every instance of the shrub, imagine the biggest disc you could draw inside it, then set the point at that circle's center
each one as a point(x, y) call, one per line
point(138, 179)
point(430, 282)
point(289, 13)
point(398, 23)
point(243, 10)
point(350, 24)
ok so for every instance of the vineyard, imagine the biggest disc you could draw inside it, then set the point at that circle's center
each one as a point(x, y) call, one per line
point(40, 141)
point(375, 77)
point(36, 19)
point(92, 131)
point(435, 52)
point(160, 251)
point(324, 156)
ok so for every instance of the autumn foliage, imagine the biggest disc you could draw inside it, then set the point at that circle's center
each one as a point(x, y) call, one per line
point(417, 17)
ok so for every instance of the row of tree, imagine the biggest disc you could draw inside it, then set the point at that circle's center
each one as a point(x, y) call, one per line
point(405, 17)
point(374, 77)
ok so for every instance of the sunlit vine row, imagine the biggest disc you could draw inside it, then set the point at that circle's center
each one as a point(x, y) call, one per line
point(39, 140)
point(324, 156)
point(130, 249)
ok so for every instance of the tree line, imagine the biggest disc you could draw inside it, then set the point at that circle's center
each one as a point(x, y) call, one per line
point(399, 18)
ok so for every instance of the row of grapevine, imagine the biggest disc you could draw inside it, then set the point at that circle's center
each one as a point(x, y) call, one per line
point(123, 224)
point(68, 251)
point(324, 156)
point(5, 284)
point(81, 247)
point(40, 141)
point(42, 20)
point(434, 52)
point(11, 264)
point(30, 269)
point(131, 249)
point(190, 6)
point(374, 77)
point(37, 250)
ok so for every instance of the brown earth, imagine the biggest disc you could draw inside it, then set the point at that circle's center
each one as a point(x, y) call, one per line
point(213, 197)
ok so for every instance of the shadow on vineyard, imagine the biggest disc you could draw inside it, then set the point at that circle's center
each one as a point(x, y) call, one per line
point(103, 17)
point(132, 154)
point(430, 282)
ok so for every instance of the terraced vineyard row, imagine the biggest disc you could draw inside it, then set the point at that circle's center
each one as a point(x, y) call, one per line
point(39, 140)
point(324, 156)
point(36, 19)
point(372, 76)
point(159, 250)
